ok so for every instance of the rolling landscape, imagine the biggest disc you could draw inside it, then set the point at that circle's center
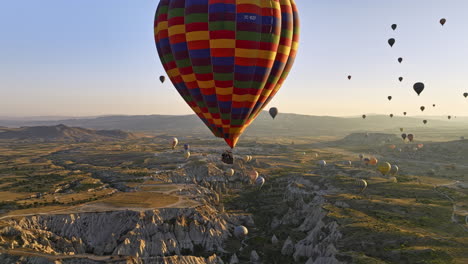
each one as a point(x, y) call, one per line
point(78, 195)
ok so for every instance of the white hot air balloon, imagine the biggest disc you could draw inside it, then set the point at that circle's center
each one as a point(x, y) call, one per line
point(241, 232)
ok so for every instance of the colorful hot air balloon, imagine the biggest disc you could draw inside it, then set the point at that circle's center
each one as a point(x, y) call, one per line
point(227, 59)
point(259, 182)
point(420, 146)
point(273, 112)
point(394, 26)
point(373, 161)
point(418, 87)
point(384, 167)
point(442, 21)
point(162, 79)
point(391, 42)
point(410, 137)
point(392, 147)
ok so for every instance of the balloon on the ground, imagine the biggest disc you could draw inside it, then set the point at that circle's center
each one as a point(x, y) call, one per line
point(227, 59)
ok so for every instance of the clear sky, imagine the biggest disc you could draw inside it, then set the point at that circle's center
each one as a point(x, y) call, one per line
point(95, 57)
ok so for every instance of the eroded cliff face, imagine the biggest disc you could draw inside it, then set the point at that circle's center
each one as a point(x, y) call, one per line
point(163, 232)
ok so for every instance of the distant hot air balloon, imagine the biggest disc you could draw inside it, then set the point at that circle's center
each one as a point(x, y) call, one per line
point(391, 115)
point(400, 60)
point(241, 232)
point(400, 79)
point(366, 161)
point(449, 117)
point(392, 147)
point(393, 179)
point(253, 175)
point(410, 137)
point(465, 95)
point(273, 112)
point(403, 136)
point(384, 167)
point(230, 172)
point(364, 116)
point(361, 184)
point(227, 59)
point(186, 147)
point(162, 79)
point(394, 26)
point(259, 182)
point(425, 121)
point(401, 129)
point(349, 77)
point(361, 156)
point(442, 21)
point(389, 98)
point(404, 113)
point(420, 146)
point(373, 161)
point(174, 143)
point(391, 42)
point(422, 108)
point(394, 170)
point(187, 154)
point(322, 163)
point(418, 87)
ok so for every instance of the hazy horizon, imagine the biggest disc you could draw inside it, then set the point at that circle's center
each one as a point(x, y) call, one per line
point(107, 64)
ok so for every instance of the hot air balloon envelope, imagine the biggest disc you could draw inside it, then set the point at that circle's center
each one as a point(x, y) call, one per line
point(227, 59)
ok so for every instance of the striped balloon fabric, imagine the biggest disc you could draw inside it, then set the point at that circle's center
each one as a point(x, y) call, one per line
point(227, 58)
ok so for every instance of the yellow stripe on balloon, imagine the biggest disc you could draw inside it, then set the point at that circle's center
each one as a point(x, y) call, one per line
point(197, 35)
point(176, 29)
point(223, 43)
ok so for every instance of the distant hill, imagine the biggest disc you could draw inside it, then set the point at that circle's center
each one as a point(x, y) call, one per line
point(62, 133)
point(284, 124)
